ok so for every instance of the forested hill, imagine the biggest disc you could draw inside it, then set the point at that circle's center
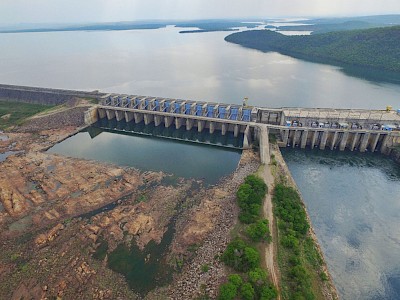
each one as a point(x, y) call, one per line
point(377, 48)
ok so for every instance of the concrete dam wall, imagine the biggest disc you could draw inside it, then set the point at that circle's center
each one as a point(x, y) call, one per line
point(42, 95)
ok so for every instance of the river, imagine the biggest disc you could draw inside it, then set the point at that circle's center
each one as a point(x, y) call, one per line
point(352, 199)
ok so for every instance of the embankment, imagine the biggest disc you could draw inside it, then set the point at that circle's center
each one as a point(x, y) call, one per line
point(43, 95)
point(283, 176)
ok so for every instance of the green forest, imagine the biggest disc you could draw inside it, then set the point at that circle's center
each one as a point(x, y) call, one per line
point(376, 48)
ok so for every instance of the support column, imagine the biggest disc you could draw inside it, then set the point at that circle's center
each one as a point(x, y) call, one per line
point(138, 117)
point(375, 142)
point(91, 116)
point(334, 140)
point(314, 138)
point(110, 114)
point(102, 113)
point(119, 115)
point(296, 133)
point(353, 143)
point(168, 121)
point(224, 128)
point(236, 130)
point(285, 136)
point(364, 142)
point(247, 138)
point(343, 142)
point(212, 127)
point(200, 125)
point(322, 144)
point(178, 123)
point(128, 116)
point(157, 120)
point(189, 124)
point(384, 144)
point(304, 139)
point(148, 118)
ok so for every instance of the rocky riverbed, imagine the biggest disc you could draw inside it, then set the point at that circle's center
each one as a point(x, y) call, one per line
point(62, 219)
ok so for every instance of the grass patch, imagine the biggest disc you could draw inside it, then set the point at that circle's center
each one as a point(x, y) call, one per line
point(14, 113)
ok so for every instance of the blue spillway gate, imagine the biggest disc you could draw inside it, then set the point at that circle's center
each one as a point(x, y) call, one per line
point(222, 112)
point(146, 104)
point(187, 109)
point(177, 108)
point(246, 115)
point(210, 111)
point(199, 109)
point(128, 100)
point(166, 106)
point(137, 102)
point(234, 113)
point(156, 105)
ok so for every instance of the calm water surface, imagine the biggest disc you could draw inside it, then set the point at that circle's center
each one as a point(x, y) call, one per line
point(149, 153)
point(165, 63)
point(354, 204)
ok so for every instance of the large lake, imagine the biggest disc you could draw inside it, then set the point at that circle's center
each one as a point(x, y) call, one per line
point(353, 200)
point(165, 63)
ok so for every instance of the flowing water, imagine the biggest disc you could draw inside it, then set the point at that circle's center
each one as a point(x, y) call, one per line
point(352, 199)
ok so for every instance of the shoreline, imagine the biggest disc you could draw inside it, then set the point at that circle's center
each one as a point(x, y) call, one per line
point(329, 290)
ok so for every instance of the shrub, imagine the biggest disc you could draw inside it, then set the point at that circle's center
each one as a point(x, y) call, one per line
point(240, 256)
point(247, 291)
point(259, 231)
point(227, 291)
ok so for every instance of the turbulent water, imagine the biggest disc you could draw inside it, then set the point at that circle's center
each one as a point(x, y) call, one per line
point(354, 204)
point(353, 200)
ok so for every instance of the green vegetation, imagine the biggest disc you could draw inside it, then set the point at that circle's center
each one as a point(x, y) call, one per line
point(329, 27)
point(259, 231)
point(241, 255)
point(14, 113)
point(250, 196)
point(298, 256)
point(205, 268)
point(376, 48)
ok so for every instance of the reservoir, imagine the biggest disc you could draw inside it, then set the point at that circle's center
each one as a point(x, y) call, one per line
point(352, 198)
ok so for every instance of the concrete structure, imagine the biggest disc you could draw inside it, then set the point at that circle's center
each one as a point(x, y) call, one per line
point(340, 129)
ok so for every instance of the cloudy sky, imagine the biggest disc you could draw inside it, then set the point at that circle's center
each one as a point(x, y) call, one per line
point(72, 11)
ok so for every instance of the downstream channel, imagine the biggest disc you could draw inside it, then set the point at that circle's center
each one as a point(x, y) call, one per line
point(353, 201)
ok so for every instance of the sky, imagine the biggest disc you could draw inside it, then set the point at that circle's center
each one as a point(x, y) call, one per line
point(82, 11)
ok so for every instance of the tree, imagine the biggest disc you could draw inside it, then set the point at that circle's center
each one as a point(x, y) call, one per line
point(259, 231)
point(247, 291)
point(240, 256)
point(268, 292)
point(227, 291)
point(236, 279)
point(257, 277)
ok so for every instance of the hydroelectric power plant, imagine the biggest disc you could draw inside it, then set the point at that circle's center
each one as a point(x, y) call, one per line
point(354, 130)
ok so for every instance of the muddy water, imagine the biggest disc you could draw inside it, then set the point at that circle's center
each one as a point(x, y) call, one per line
point(354, 204)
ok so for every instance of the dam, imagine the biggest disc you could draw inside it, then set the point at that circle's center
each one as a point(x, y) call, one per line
point(341, 129)
point(323, 128)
